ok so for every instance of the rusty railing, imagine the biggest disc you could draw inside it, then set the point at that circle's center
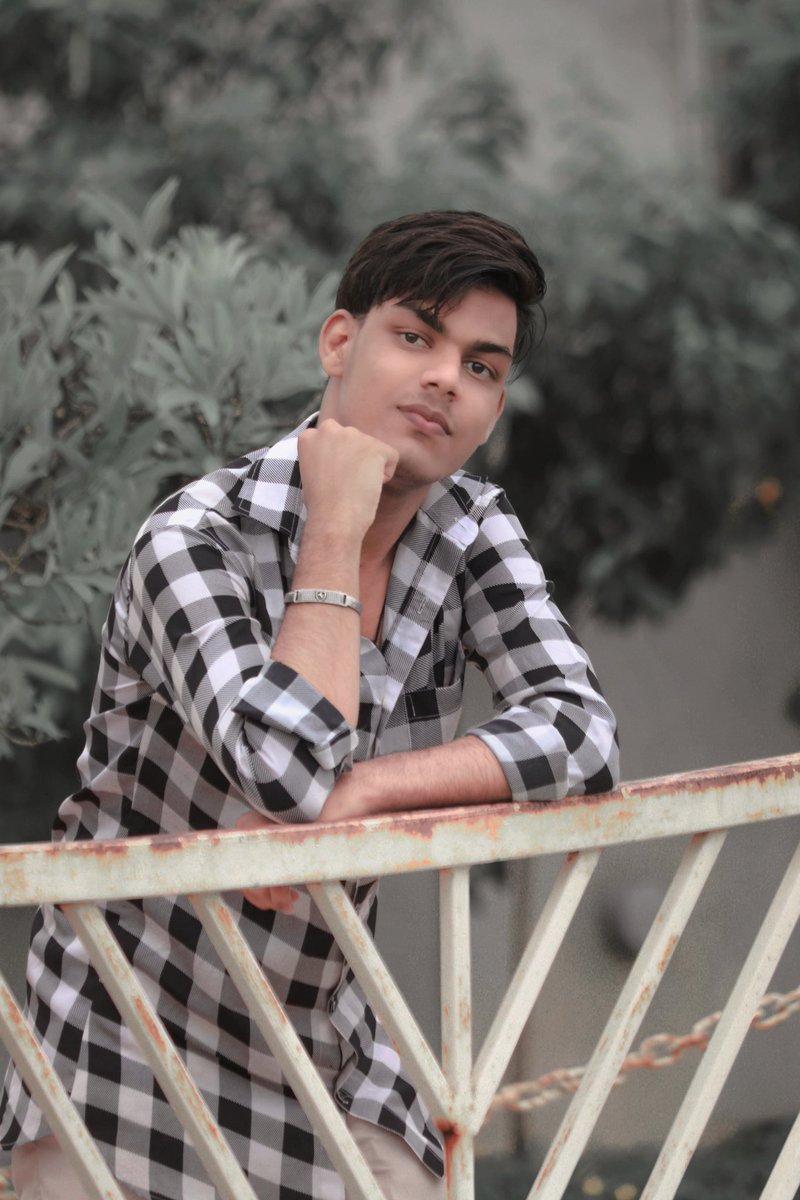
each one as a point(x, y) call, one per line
point(703, 806)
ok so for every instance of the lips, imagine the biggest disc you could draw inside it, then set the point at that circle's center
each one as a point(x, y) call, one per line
point(430, 420)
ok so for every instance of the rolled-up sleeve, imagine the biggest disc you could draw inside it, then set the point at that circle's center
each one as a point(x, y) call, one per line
point(197, 636)
point(553, 732)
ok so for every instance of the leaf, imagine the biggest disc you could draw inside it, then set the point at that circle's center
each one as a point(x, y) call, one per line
point(39, 283)
point(157, 212)
point(29, 462)
point(114, 213)
point(83, 589)
point(46, 672)
point(210, 408)
point(62, 313)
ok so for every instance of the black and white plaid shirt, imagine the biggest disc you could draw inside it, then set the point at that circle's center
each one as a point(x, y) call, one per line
point(192, 723)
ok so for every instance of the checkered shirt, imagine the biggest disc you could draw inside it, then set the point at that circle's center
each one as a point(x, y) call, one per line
point(193, 724)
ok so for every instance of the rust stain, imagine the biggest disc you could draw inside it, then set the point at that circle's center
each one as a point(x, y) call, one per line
point(101, 849)
point(12, 1009)
point(451, 1136)
point(418, 827)
point(168, 843)
point(417, 864)
point(12, 855)
point(152, 1026)
point(22, 867)
point(665, 957)
point(490, 824)
point(224, 915)
point(764, 771)
point(553, 1154)
point(164, 1045)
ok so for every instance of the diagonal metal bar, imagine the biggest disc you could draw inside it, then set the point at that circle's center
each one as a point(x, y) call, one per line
point(784, 1179)
point(731, 1031)
point(526, 984)
point(158, 1049)
point(292, 1056)
point(384, 995)
point(207, 862)
point(456, 968)
point(632, 1004)
point(50, 1095)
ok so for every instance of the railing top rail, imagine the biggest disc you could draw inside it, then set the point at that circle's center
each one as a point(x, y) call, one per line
point(670, 805)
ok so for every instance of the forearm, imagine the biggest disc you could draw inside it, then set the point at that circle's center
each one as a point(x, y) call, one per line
point(463, 772)
point(343, 473)
point(322, 641)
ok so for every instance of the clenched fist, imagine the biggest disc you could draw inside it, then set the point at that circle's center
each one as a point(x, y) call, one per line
point(343, 472)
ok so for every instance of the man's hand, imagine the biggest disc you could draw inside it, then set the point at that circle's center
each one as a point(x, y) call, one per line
point(463, 772)
point(343, 472)
point(280, 898)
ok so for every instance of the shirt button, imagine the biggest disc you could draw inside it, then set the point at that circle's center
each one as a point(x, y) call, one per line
point(345, 1099)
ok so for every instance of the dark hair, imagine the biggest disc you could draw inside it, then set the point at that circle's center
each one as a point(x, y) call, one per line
point(437, 257)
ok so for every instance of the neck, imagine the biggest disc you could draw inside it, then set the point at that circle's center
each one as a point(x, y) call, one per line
point(393, 515)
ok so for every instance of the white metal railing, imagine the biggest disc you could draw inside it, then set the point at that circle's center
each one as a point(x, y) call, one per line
point(703, 805)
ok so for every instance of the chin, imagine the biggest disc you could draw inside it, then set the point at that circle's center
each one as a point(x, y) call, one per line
point(410, 477)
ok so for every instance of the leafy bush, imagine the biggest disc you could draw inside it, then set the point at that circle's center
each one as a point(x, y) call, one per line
point(757, 101)
point(657, 422)
point(256, 105)
point(191, 353)
point(666, 422)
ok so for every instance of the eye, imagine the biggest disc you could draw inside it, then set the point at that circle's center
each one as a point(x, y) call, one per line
point(481, 369)
point(412, 338)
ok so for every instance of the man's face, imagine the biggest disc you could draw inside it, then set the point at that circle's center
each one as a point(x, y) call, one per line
point(432, 389)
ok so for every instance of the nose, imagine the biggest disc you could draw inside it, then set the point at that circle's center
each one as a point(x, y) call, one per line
point(442, 373)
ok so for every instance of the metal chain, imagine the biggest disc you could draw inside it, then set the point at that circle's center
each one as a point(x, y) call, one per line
point(658, 1050)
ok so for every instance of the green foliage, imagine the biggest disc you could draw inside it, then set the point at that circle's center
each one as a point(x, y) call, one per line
point(190, 354)
point(458, 148)
point(667, 422)
point(656, 424)
point(758, 100)
point(253, 104)
point(475, 112)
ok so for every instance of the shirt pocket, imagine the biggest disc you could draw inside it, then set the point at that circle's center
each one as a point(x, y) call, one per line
point(425, 717)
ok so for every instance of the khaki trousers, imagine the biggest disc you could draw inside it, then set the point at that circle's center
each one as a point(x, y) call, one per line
point(397, 1170)
point(41, 1171)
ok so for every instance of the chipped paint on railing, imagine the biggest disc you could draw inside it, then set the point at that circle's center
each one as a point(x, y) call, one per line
point(50, 1094)
point(207, 861)
point(703, 805)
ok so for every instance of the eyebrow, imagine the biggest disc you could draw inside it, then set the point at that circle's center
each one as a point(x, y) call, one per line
point(429, 318)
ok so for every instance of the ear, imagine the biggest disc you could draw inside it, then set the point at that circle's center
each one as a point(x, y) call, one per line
point(501, 403)
point(335, 339)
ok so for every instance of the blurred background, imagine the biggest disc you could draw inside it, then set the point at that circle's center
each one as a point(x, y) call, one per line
point(180, 183)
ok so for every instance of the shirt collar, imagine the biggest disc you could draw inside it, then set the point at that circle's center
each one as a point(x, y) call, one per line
point(270, 492)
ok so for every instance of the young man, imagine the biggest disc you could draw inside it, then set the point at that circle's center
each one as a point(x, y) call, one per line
point(287, 642)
